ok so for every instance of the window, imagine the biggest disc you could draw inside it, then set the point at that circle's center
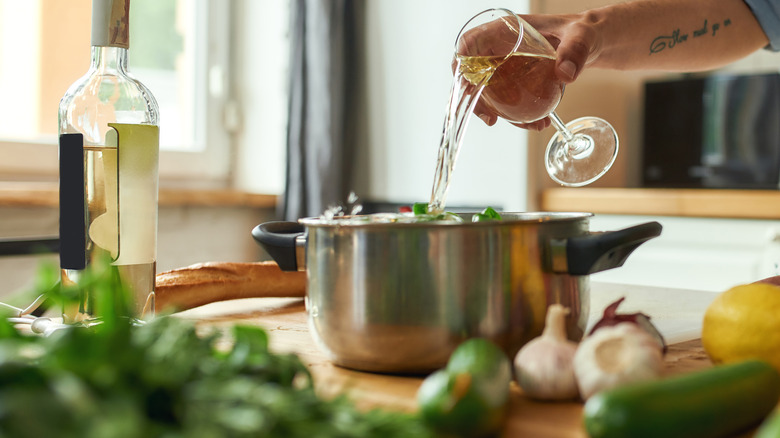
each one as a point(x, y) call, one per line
point(184, 51)
point(165, 56)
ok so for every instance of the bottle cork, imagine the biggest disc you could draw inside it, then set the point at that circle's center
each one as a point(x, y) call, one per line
point(111, 23)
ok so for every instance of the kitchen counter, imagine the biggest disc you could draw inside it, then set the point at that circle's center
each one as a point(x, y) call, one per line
point(46, 194)
point(737, 204)
point(676, 312)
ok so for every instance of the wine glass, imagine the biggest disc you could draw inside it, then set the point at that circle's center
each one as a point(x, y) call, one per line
point(515, 65)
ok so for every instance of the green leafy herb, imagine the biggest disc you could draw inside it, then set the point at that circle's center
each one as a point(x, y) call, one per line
point(488, 214)
point(122, 379)
point(420, 208)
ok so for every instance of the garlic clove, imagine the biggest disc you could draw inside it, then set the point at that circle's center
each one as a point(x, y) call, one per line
point(545, 372)
point(614, 356)
point(544, 366)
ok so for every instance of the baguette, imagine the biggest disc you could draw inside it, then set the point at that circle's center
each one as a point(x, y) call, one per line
point(203, 283)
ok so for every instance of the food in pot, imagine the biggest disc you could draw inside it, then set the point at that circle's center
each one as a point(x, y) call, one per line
point(418, 212)
point(488, 214)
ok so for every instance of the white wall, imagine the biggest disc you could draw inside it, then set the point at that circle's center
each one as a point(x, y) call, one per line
point(409, 48)
point(409, 51)
point(696, 253)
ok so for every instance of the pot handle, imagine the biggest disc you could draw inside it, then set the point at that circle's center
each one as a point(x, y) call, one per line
point(279, 239)
point(596, 252)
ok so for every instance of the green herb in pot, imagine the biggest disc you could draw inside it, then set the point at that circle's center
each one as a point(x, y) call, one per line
point(488, 214)
point(421, 214)
point(420, 208)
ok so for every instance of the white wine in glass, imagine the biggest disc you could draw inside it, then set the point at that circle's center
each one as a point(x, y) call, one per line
point(523, 88)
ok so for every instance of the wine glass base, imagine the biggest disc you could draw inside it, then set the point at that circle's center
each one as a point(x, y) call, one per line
point(586, 157)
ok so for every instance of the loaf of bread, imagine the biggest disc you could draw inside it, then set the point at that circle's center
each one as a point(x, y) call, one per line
point(203, 283)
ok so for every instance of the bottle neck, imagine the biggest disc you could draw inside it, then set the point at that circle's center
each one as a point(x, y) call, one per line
point(109, 59)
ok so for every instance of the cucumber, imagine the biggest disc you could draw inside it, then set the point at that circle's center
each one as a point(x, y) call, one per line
point(770, 428)
point(716, 402)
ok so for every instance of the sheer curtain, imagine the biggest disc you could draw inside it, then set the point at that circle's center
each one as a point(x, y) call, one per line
point(323, 74)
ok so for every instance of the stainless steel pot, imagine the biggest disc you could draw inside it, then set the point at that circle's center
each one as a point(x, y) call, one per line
point(399, 297)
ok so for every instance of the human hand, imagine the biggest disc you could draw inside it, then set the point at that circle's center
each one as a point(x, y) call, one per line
point(497, 38)
point(538, 125)
point(576, 44)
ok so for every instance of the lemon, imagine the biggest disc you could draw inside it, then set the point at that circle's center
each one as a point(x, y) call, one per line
point(744, 323)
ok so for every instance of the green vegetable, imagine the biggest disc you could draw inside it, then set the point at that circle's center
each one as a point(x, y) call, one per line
point(124, 378)
point(770, 428)
point(484, 360)
point(716, 402)
point(453, 404)
point(488, 214)
point(420, 208)
point(420, 211)
point(468, 398)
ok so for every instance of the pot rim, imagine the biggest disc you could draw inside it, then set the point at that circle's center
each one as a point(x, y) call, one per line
point(508, 218)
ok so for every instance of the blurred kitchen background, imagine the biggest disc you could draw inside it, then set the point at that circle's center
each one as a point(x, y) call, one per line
point(222, 72)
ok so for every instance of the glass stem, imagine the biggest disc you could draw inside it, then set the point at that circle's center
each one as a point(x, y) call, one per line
point(561, 127)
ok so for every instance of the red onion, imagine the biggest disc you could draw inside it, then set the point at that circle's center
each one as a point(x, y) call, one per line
point(611, 317)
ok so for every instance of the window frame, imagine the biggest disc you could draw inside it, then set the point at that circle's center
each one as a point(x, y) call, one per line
point(209, 166)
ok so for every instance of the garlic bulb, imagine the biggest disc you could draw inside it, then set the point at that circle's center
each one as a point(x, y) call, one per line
point(544, 366)
point(616, 355)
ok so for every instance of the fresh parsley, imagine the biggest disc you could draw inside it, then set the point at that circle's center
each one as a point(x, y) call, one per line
point(124, 379)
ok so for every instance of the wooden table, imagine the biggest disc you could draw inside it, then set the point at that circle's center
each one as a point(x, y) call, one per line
point(285, 320)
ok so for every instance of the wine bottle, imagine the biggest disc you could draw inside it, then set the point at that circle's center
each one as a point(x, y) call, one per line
point(109, 154)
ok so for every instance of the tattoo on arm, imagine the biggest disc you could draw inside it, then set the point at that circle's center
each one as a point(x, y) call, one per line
point(663, 42)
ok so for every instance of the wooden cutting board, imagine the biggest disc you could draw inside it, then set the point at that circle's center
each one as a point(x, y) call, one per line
point(285, 320)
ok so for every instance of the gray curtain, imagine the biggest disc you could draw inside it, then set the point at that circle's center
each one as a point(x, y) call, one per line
point(320, 144)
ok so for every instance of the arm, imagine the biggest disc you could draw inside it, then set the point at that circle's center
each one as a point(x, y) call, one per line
point(668, 35)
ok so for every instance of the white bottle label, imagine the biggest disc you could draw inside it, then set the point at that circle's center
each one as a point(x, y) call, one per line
point(137, 175)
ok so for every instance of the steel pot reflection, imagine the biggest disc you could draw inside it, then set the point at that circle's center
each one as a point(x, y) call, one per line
point(399, 297)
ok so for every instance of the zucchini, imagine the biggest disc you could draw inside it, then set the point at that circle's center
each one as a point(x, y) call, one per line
point(716, 402)
point(770, 428)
